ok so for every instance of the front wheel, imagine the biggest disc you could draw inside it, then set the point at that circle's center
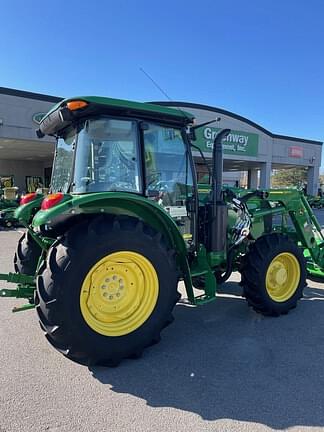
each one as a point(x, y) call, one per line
point(273, 275)
point(107, 291)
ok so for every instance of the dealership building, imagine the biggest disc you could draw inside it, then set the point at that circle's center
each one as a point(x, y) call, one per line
point(25, 160)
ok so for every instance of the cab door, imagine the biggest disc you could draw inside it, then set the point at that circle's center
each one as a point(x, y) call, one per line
point(169, 176)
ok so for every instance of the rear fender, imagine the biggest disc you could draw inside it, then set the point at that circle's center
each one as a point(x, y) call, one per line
point(25, 212)
point(117, 203)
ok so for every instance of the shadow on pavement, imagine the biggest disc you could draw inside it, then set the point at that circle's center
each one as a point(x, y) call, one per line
point(223, 360)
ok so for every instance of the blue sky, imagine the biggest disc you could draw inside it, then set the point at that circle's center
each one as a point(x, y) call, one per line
point(260, 59)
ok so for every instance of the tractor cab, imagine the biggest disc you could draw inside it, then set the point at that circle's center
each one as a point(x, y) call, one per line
point(118, 146)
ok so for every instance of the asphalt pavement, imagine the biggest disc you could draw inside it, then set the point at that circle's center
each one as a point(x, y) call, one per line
point(219, 367)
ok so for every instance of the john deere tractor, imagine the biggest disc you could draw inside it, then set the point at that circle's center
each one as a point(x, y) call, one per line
point(125, 221)
point(8, 198)
point(9, 201)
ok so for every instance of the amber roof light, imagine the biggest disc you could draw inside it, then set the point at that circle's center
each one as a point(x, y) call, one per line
point(75, 105)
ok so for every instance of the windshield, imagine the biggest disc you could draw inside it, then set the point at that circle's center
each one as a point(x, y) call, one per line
point(106, 158)
point(63, 161)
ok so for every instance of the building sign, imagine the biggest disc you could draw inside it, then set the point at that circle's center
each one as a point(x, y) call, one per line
point(296, 152)
point(37, 118)
point(236, 143)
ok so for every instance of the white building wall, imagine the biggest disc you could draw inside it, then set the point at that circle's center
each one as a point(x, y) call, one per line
point(273, 150)
point(20, 169)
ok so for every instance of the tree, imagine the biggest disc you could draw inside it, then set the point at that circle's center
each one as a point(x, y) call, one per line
point(290, 177)
point(321, 179)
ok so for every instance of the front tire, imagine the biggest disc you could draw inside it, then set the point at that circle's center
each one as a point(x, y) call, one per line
point(107, 291)
point(273, 275)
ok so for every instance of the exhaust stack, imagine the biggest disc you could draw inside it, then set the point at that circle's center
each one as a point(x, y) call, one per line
point(218, 208)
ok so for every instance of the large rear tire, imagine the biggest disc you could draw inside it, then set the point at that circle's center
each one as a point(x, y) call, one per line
point(107, 290)
point(27, 255)
point(273, 275)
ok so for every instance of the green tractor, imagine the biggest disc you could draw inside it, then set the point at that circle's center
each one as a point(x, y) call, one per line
point(125, 221)
point(9, 198)
point(9, 201)
point(7, 218)
point(316, 202)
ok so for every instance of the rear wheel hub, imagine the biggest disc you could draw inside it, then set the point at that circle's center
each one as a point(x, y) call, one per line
point(119, 293)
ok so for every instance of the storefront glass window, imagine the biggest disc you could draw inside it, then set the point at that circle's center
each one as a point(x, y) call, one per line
point(33, 183)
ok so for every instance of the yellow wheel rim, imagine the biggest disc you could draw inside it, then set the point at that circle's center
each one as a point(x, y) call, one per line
point(283, 277)
point(119, 293)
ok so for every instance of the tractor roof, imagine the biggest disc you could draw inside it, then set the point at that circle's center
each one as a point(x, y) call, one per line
point(101, 105)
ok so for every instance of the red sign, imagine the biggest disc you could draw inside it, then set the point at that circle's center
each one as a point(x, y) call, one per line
point(295, 152)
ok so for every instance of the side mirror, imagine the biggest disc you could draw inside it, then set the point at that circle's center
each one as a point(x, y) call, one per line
point(192, 129)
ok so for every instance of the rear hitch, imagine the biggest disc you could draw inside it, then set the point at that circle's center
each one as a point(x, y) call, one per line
point(25, 288)
point(18, 278)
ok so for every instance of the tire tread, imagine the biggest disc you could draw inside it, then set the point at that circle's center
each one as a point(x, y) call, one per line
point(255, 267)
point(50, 282)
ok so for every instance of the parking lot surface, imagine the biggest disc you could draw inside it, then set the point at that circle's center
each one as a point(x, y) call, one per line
point(219, 367)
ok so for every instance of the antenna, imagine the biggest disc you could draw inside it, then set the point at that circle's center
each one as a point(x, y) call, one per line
point(163, 92)
point(156, 84)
